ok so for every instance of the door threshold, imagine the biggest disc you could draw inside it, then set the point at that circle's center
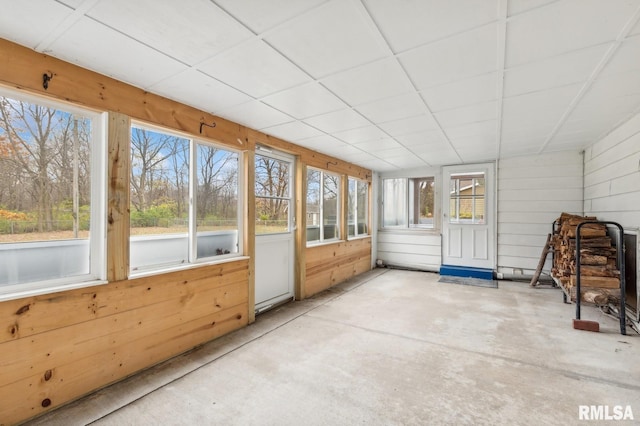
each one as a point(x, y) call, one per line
point(467, 272)
point(274, 305)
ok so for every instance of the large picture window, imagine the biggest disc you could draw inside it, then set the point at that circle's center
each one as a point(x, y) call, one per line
point(323, 206)
point(167, 229)
point(51, 195)
point(408, 202)
point(358, 214)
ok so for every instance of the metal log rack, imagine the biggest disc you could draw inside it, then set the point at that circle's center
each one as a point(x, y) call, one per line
point(622, 312)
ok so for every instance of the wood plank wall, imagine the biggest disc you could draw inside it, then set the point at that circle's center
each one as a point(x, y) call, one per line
point(55, 348)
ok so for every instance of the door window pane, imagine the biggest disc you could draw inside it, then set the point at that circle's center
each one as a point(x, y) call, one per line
point(467, 198)
point(273, 195)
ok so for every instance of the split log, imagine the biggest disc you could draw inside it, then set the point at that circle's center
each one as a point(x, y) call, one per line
point(601, 282)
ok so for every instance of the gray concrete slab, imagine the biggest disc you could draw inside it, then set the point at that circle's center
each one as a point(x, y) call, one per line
point(389, 347)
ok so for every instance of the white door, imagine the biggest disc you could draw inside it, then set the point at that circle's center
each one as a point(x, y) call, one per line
point(468, 223)
point(274, 228)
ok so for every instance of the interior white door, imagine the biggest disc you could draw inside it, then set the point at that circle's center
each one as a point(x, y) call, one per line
point(274, 242)
point(468, 223)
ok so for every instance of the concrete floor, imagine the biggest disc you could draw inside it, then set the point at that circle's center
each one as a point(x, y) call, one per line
point(389, 347)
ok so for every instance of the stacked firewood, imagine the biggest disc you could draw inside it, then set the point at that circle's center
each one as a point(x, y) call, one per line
point(600, 278)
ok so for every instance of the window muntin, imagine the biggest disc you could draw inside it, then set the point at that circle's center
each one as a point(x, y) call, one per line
point(358, 209)
point(323, 206)
point(184, 200)
point(273, 195)
point(467, 198)
point(408, 202)
point(52, 199)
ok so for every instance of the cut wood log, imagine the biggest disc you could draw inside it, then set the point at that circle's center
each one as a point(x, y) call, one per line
point(601, 282)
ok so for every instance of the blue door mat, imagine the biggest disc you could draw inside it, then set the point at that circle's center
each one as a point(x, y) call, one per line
point(477, 282)
point(466, 272)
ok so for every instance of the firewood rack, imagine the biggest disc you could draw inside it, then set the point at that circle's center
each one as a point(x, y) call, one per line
point(622, 313)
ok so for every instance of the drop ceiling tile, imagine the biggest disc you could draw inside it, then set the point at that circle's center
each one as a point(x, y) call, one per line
point(338, 121)
point(305, 101)
point(461, 93)
point(407, 24)
point(30, 22)
point(361, 134)
point(561, 70)
point(72, 3)
point(484, 129)
point(97, 47)
point(507, 151)
point(292, 131)
point(324, 143)
point(475, 156)
point(468, 114)
point(255, 68)
point(357, 156)
point(544, 108)
point(379, 80)
point(374, 146)
point(409, 125)
point(626, 58)
point(378, 165)
point(516, 7)
point(442, 157)
point(407, 162)
point(188, 30)
point(564, 26)
point(255, 115)
point(636, 29)
point(455, 58)
point(403, 106)
point(398, 151)
point(331, 38)
point(430, 137)
point(261, 15)
point(191, 87)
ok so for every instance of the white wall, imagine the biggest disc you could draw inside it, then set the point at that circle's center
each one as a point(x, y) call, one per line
point(532, 192)
point(612, 176)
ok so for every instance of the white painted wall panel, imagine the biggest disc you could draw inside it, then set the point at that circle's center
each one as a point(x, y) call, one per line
point(420, 250)
point(612, 176)
point(532, 192)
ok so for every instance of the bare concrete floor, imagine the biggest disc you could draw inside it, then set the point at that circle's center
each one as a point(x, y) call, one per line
point(389, 347)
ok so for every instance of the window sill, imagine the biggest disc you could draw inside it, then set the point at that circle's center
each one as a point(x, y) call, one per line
point(324, 243)
point(359, 237)
point(426, 231)
point(182, 267)
point(40, 289)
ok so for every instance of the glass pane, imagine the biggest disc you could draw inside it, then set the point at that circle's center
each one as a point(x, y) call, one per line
point(45, 192)
point(159, 199)
point(467, 198)
point(277, 220)
point(216, 201)
point(395, 202)
point(330, 207)
point(272, 177)
point(363, 208)
point(313, 205)
point(351, 214)
point(421, 196)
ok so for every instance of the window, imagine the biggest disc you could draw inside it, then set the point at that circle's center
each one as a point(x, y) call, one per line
point(52, 204)
point(323, 206)
point(408, 202)
point(358, 207)
point(466, 198)
point(168, 170)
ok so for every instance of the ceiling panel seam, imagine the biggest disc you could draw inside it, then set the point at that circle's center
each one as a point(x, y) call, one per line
point(66, 23)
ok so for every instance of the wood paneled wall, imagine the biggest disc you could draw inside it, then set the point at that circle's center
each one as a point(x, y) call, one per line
point(331, 264)
point(57, 347)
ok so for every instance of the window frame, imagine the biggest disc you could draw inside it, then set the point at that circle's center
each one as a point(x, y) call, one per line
point(192, 232)
point(409, 201)
point(321, 239)
point(367, 220)
point(98, 219)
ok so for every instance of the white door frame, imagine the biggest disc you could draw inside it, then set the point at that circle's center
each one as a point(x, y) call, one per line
point(467, 244)
point(275, 253)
